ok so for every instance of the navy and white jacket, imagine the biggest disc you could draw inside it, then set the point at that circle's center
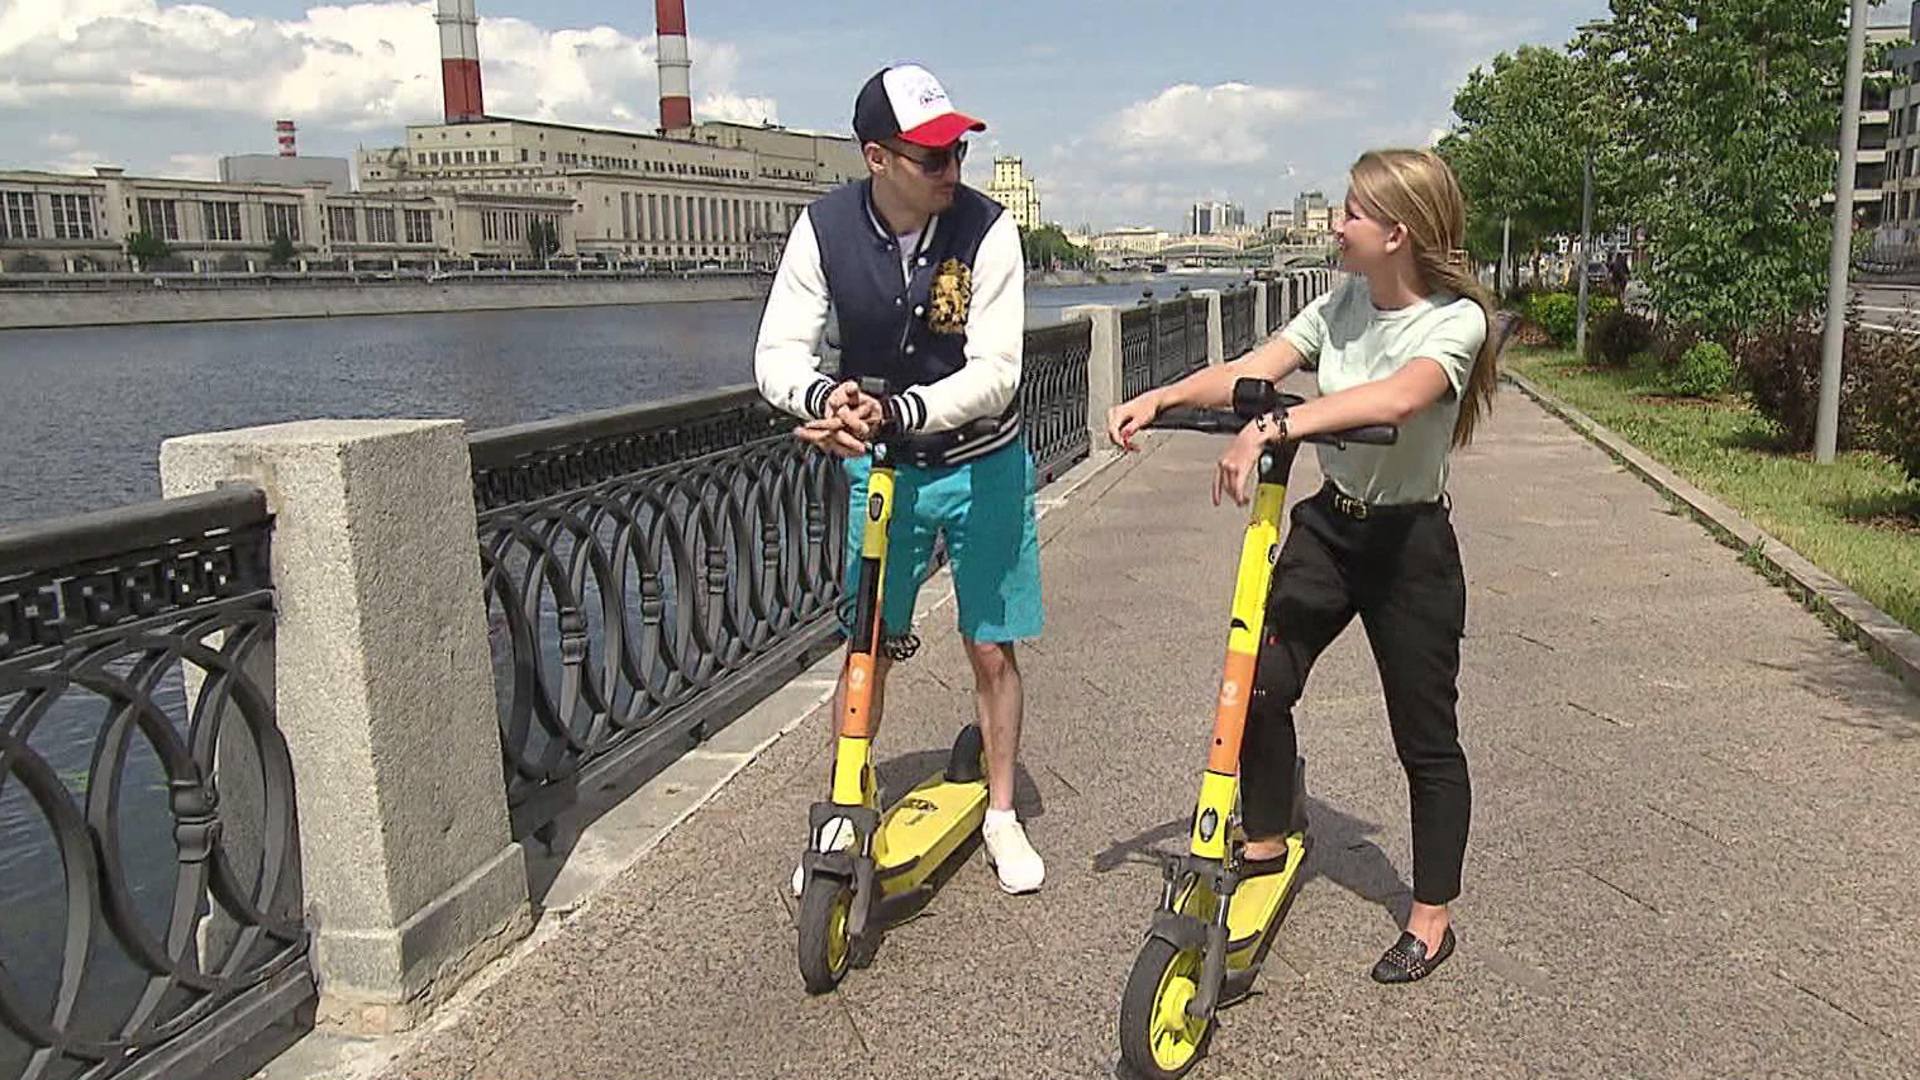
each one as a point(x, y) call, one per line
point(941, 315)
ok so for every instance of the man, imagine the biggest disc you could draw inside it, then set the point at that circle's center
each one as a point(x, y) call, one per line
point(927, 277)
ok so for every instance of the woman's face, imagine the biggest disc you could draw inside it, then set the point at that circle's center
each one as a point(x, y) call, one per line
point(1365, 243)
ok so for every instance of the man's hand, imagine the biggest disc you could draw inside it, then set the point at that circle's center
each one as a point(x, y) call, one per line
point(832, 436)
point(858, 412)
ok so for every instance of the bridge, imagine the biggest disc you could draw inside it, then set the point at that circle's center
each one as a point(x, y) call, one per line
point(418, 752)
point(1202, 252)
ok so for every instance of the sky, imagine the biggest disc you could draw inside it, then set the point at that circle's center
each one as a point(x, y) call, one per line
point(1126, 111)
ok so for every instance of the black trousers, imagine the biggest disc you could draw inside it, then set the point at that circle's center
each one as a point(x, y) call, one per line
point(1399, 570)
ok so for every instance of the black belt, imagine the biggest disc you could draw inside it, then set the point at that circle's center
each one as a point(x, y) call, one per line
point(1360, 510)
point(928, 450)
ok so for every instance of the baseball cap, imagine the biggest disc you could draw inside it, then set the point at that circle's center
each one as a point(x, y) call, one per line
point(907, 102)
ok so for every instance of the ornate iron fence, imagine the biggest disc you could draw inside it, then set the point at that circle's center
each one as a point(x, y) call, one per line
point(149, 854)
point(649, 574)
point(1053, 396)
point(1171, 319)
point(1236, 321)
point(1138, 335)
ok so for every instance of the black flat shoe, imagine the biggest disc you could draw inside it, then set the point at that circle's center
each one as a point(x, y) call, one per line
point(1253, 868)
point(1408, 962)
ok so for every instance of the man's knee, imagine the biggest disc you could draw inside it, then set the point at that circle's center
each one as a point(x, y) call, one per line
point(993, 662)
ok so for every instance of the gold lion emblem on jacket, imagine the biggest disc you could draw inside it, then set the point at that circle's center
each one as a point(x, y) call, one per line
point(951, 299)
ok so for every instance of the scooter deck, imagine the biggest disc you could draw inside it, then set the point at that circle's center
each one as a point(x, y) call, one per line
point(923, 829)
point(1257, 902)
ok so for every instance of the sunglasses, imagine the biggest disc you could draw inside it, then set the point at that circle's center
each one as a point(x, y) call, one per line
point(936, 161)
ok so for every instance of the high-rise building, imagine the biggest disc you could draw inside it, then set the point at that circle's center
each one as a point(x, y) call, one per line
point(1015, 190)
point(1210, 217)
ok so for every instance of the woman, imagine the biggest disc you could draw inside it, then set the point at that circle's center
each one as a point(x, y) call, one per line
point(1403, 341)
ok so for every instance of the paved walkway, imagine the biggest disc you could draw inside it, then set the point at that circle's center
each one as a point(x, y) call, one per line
point(1691, 857)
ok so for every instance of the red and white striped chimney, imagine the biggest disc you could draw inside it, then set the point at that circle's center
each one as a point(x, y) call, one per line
point(283, 131)
point(676, 89)
point(460, 61)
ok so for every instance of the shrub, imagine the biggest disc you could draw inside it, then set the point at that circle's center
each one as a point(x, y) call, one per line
point(1554, 313)
point(1618, 335)
point(1705, 370)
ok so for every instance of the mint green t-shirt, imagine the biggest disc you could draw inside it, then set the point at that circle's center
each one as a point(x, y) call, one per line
point(1358, 343)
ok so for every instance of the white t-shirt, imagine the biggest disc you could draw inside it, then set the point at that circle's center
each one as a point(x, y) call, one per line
point(1358, 343)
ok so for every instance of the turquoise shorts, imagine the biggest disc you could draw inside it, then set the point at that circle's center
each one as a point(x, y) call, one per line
point(986, 509)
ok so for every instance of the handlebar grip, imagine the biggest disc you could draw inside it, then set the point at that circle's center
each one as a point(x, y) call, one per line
point(1209, 420)
point(1372, 435)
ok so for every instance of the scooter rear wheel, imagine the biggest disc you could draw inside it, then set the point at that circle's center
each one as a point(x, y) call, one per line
point(825, 951)
point(1158, 1040)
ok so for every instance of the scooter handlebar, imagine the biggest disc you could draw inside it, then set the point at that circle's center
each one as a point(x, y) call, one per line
point(1251, 401)
point(880, 388)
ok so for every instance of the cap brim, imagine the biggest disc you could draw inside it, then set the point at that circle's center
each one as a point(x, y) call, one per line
point(942, 130)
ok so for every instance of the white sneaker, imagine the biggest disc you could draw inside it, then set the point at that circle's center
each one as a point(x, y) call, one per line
point(835, 835)
point(1008, 852)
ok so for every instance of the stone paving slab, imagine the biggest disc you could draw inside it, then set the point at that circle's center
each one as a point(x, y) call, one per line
point(1692, 810)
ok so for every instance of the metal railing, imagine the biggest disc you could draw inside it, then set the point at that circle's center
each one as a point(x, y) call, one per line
point(1053, 396)
point(1236, 321)
point(149, 853)
point(649, 574)
point(1139, 333)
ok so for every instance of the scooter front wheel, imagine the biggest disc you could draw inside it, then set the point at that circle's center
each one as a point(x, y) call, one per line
point(825, 951)
point(1158, 1040)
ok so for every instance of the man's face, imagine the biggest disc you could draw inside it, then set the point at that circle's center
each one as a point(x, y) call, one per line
point(923, 177)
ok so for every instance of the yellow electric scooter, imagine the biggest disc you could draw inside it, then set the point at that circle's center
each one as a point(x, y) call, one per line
point(851, 886)
point(1215, 920)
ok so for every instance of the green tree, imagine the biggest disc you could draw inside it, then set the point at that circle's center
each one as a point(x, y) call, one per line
point(1732, 109)
point(1519, 146)
point(282, 252)
point(147, 247)
point(1048, 246)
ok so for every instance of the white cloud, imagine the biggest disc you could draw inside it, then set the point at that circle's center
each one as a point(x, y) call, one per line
point(67, 154)
point(1149, 161)
point(737, 108)
point(195, 166)
point(1466, 31)
point(1229, 124)
point(358, 66)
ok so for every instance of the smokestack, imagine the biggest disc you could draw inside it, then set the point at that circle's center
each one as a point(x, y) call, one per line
point(283, 130)
point(676, 90)
point(460, 61)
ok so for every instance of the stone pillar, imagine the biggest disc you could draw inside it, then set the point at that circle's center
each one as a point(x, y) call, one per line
point(1216, 350)
point(1105, 385)
point(1259, 313)
point(384, 688)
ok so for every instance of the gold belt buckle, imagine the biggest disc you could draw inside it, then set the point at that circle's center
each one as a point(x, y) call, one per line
point(1351, 506)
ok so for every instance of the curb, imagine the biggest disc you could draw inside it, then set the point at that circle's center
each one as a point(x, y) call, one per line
point(1851, 616)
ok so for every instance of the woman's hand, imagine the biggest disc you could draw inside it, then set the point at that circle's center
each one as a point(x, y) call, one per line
point(1125, 420)
point(1241, 461)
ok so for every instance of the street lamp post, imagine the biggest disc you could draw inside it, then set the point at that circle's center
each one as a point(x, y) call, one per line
point(1586, 241)
point(1826, 431)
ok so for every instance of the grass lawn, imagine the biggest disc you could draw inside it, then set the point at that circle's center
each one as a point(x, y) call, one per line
point(1858, 519)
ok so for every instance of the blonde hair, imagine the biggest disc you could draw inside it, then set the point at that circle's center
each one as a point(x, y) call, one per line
point(1417, 190)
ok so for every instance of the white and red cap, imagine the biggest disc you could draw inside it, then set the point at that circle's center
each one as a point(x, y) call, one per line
point(908, 103)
